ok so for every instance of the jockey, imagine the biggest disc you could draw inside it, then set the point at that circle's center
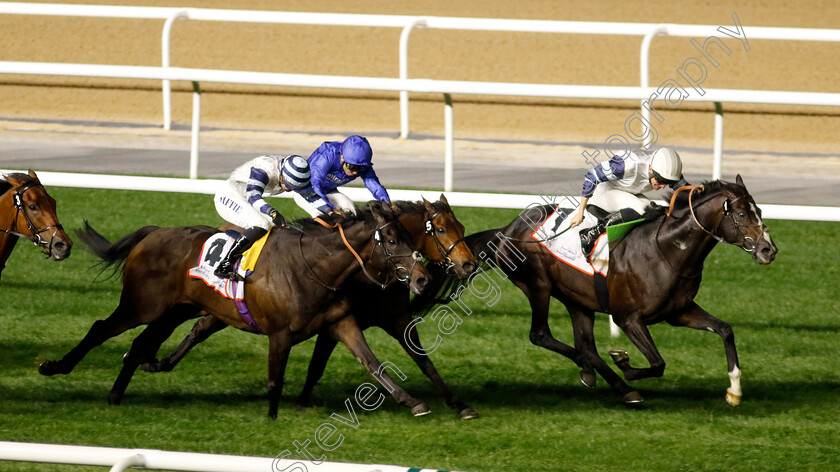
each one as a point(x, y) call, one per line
point(334, 164)
point(240, 201)
point(617, 185)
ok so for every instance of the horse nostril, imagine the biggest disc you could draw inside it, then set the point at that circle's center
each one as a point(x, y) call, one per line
point(422, 282)
point(60, 245)
point(469, 267)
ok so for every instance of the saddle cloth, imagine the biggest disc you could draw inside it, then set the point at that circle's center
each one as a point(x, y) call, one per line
point(564, 243)
point(212, 252)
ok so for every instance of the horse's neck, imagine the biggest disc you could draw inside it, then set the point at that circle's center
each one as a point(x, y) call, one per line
point(683, 244)
point(360, 239)
point(415, 224)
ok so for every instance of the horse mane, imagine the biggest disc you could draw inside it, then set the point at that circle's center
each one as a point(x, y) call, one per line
point(5, 185)
point(364, 214)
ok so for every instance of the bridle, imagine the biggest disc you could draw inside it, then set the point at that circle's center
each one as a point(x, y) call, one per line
point(377, 242)
point(446, 263)
point(748, 244)
point(36, 238)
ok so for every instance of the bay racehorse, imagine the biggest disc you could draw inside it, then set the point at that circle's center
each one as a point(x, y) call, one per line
point(654, 274)
point(285, 305)
point(28, 211)
point(440, 236)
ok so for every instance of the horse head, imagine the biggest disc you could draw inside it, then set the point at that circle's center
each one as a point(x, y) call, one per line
point(35, 215)
point(444, 239)
point(396, 249)
point(733, 217)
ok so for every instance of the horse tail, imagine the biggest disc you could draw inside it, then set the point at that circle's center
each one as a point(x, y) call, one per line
point(444, 285)
point(112, 254)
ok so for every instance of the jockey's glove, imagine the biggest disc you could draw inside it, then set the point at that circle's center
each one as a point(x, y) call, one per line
point(277, 218)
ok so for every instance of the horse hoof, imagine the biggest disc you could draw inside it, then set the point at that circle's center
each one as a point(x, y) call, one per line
point(588, 378)
point(420, 410)
point(468, 414)
point(634, 400)
point(619, 356)
point(48, 368)
point(733, 399)
point(114, 398)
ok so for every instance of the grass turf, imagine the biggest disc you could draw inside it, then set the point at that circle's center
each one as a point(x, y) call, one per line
point(536, 416)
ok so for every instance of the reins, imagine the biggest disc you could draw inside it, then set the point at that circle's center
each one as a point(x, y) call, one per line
point(378, 242)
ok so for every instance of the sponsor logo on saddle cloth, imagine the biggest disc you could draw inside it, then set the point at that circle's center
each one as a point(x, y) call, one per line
point(563, 242)
point(212, 252)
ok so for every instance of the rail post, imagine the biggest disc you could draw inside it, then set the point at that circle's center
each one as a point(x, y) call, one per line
point(164, 62)
point(406, 32)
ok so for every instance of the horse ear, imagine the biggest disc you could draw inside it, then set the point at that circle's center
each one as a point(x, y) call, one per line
point(443, 199)
point(376, 211)
point(15, 182)
point(33, 175)
point(428, 205)
point(740, 181)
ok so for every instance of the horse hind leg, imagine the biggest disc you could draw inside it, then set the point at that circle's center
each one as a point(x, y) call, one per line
point(203, 329)
point(122, 319)
point(582, 323)
point(145, 347)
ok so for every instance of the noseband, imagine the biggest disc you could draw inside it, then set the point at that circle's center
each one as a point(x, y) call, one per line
point(444, 252)
point(36, 238)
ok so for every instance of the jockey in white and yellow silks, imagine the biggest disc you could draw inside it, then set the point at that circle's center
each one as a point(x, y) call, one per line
point(617, 187)
point(241, 199)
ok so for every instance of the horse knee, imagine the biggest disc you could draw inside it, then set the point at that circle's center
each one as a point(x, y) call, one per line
point(726, 332)
point(657, 369)
point(538, 338)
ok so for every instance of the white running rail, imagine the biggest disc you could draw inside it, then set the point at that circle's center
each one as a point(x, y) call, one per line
point(120, 459)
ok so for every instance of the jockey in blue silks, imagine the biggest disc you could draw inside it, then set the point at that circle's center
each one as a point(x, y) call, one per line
point(241, 200)
point(334, 164)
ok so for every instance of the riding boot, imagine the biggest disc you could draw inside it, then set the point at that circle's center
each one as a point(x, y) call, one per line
point(225, 268)
point(590, 235)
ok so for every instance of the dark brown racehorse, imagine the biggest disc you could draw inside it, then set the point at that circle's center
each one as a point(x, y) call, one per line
point(26, 210)
point(654, 275)
point(292, 294)
point(439, 235)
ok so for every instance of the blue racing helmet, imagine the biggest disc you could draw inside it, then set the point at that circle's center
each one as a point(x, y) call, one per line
point(356, 150)
point(295, 172)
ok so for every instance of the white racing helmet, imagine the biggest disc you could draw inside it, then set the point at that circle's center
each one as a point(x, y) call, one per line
point(666, 163)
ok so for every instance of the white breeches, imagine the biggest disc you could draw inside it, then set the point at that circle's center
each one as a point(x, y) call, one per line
point(612, 199)
point(234, 208)
point(338, 199)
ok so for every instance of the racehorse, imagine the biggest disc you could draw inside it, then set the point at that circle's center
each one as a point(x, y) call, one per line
point(654, 274)
point(439, 235)
point(26, 210)
point(286, 306)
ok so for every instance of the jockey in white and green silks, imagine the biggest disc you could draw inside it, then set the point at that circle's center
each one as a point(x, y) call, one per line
point(617, 187)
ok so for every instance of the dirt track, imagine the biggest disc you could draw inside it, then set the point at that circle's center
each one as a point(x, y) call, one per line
point(457, 55)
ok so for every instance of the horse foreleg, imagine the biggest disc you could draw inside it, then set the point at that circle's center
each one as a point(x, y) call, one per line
point(324, 346)
point(203, 329)
point(121, 320)
point(348, 332)
point(583, 321)
point(145, 346)
point(406, 333)
point(638, 333)
point(279, 345)
point(698, 318)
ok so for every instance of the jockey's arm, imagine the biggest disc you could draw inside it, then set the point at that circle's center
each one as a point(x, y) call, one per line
point(376, 188)
point(577, 217)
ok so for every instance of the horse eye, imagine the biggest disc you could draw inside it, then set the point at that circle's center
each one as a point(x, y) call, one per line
point(742, 215)
point(441, 230)
point(32, 207)
point(392, 242)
